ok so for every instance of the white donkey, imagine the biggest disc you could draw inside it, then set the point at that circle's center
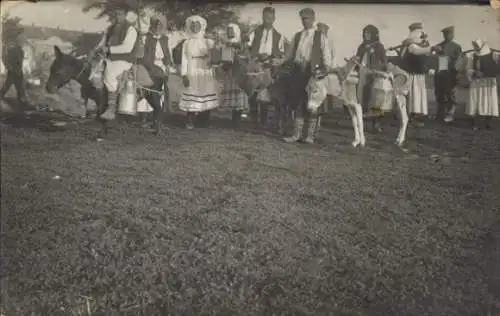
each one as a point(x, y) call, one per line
point(349, 78)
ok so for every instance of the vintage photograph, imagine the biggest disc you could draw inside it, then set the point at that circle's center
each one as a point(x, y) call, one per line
point(253, 158)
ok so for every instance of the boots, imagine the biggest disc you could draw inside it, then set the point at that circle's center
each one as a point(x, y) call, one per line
point(110, 113)
point(189, 121)
point(144, 120)
point(311, 131)
point(264, 114)
point(297, 131)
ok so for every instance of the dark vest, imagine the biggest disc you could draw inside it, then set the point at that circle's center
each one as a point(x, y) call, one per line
point(115, 36)
point(485, 64)
point(259, 32)
point(415, 64)
point(316, 51)
point(453, 51)
point(150, 50)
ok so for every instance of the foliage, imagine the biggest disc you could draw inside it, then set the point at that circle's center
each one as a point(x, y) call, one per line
point(175, 11)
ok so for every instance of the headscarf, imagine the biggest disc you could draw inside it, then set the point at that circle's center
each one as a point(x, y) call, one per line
point(415, 36)
point(162, 21)
point(374, 33)
point(192, 19)
point(484, 48)
point(237, 33)
point(131, 17)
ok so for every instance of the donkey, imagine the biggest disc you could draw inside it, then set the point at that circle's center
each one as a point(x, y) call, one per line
point(349, 78)
point(271, 83)
point(66, 67)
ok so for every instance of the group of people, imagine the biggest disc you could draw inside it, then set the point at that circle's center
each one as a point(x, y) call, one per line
point(310, 49)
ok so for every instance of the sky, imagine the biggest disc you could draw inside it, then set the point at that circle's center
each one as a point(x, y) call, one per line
point(345, 20)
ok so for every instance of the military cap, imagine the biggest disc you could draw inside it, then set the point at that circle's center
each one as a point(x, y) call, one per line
point(323, 25)
point(415, 26)
point(307, 13)
point(268, 10)
point(449, 29)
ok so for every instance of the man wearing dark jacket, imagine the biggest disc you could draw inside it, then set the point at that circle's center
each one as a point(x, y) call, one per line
point(156, 58)
point(445, 80)
point(265, 41)
point(12, 57)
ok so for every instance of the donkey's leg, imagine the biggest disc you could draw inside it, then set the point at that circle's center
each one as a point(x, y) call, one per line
point(355, 125)
point(403, 117)
point(155, 100)
point(358, 109)
point(101, 101)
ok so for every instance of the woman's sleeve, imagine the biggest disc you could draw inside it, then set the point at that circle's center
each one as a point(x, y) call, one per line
point(184, 60)
point(417, 50)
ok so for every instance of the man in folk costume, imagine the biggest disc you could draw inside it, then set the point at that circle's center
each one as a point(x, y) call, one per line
point(371, 55)
point(156, 60)
point(414, 61)
point(121, 44)
point(482, 69)
point(232, 95)
point(265, 41)
point(445, 80)
point(12, 57)
point(333, 81)
point(201, 89)
point(311, 53)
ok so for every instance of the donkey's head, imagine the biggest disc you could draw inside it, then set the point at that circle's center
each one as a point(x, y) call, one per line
point(64, 68)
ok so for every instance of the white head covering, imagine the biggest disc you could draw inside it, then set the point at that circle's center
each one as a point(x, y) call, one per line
point(237, 33)
point(192, 19)
point(415, 36)
point(131, 17)
point(485, 49)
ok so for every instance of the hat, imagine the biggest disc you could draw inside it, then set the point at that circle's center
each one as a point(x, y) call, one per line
point(415, 26)
point(307, 13)
point(268, 10)
point(322, 25)
point(449, 29)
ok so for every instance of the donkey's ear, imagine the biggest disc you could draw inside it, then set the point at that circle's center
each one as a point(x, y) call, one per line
point(57, 51)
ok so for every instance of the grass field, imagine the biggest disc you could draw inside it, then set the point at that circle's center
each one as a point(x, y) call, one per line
point(234, 222)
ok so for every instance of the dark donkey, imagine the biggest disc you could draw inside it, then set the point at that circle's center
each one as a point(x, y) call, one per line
point(278, 82)
point(66, 67)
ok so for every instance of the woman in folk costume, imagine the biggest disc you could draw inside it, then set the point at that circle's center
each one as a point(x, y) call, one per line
point(157, 61)
point(232, 95)
point(482, 70)
point(371, 55)
point(414, 56)
point(201, 89)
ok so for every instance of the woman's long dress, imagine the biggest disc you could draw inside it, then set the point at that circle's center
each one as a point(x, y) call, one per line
point(203, 91)
point(232, 96)
point(483, 96)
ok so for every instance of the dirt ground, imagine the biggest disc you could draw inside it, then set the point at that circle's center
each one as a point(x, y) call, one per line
point(234, 222)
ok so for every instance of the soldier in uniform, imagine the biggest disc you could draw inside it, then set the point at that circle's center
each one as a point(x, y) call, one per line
point(310, 52)
point(445, 80)
point(265, 41)
point(12, 57)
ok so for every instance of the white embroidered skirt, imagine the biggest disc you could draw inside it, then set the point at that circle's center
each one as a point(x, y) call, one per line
point(483, 97)
point(417, 96)
point(202, 93)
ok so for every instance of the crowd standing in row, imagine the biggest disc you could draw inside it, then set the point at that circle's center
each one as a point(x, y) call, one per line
point(309, 49)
